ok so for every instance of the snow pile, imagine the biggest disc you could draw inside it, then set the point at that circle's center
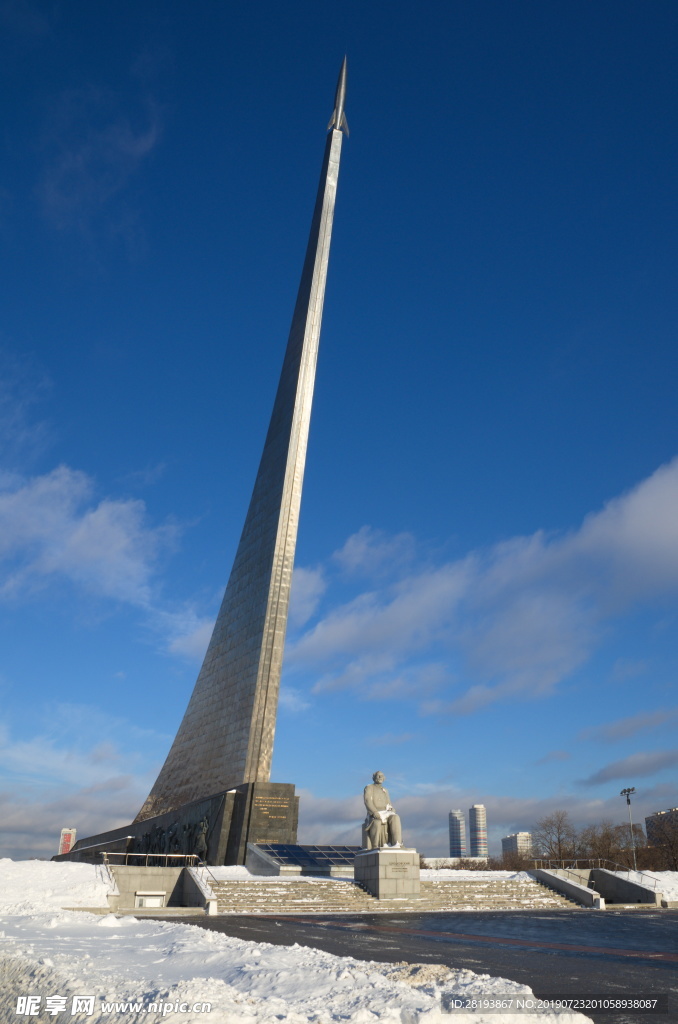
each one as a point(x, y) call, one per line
point(667, 881)
point(59, 955)
point(241, 874)
point(231, 873)
point(462, 875)
point(33, 886)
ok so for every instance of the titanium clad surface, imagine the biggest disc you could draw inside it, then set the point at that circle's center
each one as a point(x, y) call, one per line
point(226, 736)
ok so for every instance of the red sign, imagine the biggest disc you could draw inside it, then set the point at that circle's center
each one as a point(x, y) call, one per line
point(67, 840)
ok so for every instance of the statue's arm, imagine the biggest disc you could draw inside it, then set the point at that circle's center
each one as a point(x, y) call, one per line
point(369, 803)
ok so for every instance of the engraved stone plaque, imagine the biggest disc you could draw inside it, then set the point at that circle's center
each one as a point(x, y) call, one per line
point(388, 873)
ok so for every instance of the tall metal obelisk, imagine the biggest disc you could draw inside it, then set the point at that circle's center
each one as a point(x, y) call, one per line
point(226, 736)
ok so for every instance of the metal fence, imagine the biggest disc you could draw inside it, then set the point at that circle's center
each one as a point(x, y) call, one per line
point(153, 859)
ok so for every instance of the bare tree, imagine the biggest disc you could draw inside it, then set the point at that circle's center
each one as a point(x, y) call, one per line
point(554, 836)
point(601, 841)
point(514, 861)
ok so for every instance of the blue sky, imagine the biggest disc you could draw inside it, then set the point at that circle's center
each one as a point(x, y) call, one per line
point(485, 599)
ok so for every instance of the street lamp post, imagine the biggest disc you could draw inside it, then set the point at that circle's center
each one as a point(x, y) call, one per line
point(627, 794)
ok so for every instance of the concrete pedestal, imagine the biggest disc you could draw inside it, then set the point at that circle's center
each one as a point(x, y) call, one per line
point(387, 873)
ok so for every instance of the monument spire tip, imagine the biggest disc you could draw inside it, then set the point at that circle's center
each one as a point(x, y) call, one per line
point(338, 119)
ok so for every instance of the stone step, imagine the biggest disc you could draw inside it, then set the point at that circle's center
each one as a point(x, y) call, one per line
point(340, 896)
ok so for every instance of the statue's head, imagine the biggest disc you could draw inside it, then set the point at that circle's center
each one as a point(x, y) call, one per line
point(378, 777)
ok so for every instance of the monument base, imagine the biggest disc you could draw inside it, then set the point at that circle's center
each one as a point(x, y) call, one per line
point(216, 829)
point(388, 873)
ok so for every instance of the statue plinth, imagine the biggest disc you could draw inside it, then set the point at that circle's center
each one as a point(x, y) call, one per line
point(387, 873)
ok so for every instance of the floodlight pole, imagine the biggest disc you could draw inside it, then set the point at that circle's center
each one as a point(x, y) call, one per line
point(627, 794)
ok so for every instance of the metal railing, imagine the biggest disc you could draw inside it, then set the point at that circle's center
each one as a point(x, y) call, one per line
point(158, 859)
point(106, 875)
point(597, 862)
point(576, 875)
point(205, 875)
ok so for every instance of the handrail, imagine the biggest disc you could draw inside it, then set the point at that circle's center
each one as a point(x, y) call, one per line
point(202, 870)
point(628, 871)
point(106, 868)
point(206, 869)
point(571, 871)
point(587, 862)
point(193, 857)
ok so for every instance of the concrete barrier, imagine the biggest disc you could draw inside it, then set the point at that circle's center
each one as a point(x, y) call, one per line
point(143, 888)
point(198, 891)
point(568, 887)
point(133, 881)
point(617, 889)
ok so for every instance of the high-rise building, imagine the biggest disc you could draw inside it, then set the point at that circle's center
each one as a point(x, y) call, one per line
point(477, 821)
point(457, 834)
point(517, 842)
point(661, 825)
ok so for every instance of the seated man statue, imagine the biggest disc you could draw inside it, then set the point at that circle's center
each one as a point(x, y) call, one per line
point(382, 824)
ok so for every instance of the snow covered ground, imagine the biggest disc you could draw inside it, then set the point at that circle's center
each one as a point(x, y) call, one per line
point(454, 874)
point(103, 965)
point(241, 874)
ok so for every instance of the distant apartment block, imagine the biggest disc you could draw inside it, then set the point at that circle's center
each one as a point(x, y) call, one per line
point(517, 842)
point(457, 834)
point(477, 820)
point(659, 825)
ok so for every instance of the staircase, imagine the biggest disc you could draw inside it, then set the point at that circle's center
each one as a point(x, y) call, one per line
point(340, 896)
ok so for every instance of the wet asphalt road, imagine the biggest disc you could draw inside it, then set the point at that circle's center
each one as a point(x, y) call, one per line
point(554, 952)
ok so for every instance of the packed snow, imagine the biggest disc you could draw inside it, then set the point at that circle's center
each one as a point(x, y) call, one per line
point(241, 874)
point(236, 873)
point(462, 875)
point(35, 886)
point(58, 956)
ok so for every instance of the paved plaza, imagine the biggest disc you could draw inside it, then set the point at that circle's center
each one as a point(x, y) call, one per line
point(587, 953)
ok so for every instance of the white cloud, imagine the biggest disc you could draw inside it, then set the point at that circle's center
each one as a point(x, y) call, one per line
point(92, 149)
point(188, 633)
point(636, 766)
point(626, 668)
point(370, 552)
point(51, 528)
point(514, 619)
point(424, 813)
point(31, 827)
point(54, 778)
point(634, 540)
point(625, 727)
point(554, 755)
point(57, 753)
point(292, 700)
point(22, 385)
point(145, 477)
point(383, 624)
point(55, 529)
point(391, 740)
point(308, 586)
